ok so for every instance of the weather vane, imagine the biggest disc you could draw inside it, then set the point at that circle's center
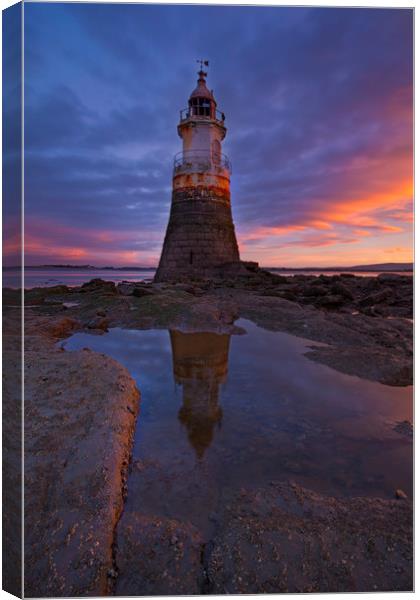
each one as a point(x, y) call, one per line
point(203, 63)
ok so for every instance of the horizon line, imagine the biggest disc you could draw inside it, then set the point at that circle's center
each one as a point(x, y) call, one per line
point(372, 266)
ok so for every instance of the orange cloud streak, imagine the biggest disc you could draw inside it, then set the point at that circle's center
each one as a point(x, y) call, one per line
point(357, 212)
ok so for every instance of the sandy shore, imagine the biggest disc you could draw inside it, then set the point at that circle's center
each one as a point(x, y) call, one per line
point(81, 408)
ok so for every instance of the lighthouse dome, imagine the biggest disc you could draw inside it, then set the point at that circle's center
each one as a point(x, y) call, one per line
point(201, 90)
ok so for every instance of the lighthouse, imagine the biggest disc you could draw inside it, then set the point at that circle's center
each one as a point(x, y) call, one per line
point(200, 236)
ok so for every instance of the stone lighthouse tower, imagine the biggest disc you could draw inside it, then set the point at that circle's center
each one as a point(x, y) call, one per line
point(200, 236)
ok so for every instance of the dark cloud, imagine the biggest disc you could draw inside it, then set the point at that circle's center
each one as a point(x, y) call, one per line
point(318, 104)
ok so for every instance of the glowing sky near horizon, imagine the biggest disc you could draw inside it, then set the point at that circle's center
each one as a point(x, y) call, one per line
point(318, 106)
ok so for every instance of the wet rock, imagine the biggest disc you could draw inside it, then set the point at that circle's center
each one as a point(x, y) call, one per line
point(273, 291)
point(197, 291)
point(371, 311)
point(288, 295)
point(279, 279)
point(99, 286)
point(342, 290)
point(45, 295)
point(403, 312)
point(285, 538)
point(191, 289)
point(331, 301)
point(157, 556)
point(53, 301)
point(384, 295)
point(125, 288)
point(78, 436)
point(56, 290)
point(370, 362)
point(324, 279)
point(98, 323)
point(228, 313)
point(376, 311)
point(140, 292)
point(250, 265)
point(64, 327)
point(314, 289)
point(368, 285)
point(393, 278)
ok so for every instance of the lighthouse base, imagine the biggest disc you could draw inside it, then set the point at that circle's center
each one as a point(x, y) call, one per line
point(200, 236)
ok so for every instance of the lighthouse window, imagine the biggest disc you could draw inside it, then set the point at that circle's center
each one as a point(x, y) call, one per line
point(205, 107)
point(191, 257)
point(200, 107)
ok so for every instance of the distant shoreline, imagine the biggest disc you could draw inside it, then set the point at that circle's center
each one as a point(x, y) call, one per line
point(80, 268)
point(357, 269)
point(381, 267)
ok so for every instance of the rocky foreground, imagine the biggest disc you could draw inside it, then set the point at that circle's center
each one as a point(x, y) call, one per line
point(364, 322)
point(80, 413)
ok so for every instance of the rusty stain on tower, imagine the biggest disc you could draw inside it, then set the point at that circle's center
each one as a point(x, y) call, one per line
point(200, 236)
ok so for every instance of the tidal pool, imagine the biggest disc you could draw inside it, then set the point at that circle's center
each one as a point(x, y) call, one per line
point(220, 413)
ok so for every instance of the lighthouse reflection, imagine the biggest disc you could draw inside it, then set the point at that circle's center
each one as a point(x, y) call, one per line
point(200, 366)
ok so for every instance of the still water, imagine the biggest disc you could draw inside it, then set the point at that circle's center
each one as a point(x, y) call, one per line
point(71, 277)
point(219, 413)
point(41, 277)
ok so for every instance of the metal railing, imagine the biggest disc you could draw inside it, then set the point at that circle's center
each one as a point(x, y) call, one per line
point(200, 161)
point(202, 112)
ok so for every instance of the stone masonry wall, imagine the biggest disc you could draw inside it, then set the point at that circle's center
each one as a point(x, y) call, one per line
point(200, 234)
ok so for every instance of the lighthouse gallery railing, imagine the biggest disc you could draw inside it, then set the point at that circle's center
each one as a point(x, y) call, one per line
point(201, 160)
point(205, 112)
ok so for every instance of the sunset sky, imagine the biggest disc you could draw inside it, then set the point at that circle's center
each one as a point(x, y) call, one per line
point(318, 106)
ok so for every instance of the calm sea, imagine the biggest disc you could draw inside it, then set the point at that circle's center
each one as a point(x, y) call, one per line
point(74, 277)
point(70, 277)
